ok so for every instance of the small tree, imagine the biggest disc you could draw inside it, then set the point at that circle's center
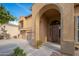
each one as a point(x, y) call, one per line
point(5, 15)
point(4, 34)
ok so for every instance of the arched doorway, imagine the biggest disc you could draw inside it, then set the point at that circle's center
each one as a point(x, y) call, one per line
point(50, 24)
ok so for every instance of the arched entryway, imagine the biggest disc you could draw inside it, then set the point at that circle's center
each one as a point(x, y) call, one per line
point(48, 19)
point(50, 26)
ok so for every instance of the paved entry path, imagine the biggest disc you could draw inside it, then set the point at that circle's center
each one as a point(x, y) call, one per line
point(47, 49)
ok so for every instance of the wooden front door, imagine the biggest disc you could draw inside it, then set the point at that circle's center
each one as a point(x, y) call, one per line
point(54, 33)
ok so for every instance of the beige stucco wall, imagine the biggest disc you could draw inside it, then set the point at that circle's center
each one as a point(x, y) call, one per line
point(43, 29)
point(28, 22)
point(68, 29)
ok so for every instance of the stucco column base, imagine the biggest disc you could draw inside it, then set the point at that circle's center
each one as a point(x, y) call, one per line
point(67, 48)
point(38, 44)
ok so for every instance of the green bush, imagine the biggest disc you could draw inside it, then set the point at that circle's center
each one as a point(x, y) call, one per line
point(19, 52)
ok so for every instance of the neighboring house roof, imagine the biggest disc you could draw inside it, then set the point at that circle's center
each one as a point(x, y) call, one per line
point(28, 16)
point(24, 17)
point(12, 24)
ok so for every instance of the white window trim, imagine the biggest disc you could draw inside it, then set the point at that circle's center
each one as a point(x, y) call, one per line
point(76, 29)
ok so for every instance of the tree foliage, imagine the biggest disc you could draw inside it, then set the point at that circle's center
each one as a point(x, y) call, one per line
point(5, 15)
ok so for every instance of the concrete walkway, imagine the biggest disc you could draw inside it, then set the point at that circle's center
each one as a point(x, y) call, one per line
point(47, 49)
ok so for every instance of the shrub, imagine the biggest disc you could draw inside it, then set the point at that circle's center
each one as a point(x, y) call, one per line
point(15, 37)
point(19, 52)
point(1, 37)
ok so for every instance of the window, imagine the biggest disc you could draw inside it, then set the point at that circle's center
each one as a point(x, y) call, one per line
point(21, 25)
point(77, 28)
point(29, 36)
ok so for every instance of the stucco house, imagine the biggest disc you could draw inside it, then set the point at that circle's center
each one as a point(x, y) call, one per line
point(54, 22)
point(11, 29)
point(25, 27)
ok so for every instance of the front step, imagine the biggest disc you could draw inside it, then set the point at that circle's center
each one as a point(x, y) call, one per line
point(52, 46)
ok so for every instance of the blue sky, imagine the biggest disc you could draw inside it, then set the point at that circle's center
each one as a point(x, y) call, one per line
point(18, 9)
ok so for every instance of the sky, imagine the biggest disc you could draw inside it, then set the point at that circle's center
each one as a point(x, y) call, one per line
point(18, 9)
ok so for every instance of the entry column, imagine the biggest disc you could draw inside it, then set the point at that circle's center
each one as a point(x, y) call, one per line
point(37, 32)
point(67, 42)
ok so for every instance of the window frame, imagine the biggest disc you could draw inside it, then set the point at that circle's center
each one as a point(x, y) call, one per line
point(76, 29)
